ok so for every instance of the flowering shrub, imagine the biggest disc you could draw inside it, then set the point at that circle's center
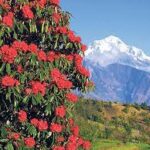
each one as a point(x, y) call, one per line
point(40, 66)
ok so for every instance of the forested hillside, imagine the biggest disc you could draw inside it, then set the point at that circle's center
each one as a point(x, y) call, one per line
point(113, 121)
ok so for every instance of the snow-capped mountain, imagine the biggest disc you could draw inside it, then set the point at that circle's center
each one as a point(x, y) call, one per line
point(113, 50)
point(120, 72)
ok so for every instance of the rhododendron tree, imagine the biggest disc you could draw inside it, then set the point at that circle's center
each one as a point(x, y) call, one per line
point(40, 67)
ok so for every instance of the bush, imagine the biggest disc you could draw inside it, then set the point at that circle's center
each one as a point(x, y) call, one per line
point(40, 65)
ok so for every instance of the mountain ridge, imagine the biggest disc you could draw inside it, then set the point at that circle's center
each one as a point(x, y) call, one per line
point(124, 79)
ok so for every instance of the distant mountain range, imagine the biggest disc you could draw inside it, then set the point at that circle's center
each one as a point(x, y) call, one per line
point(120, 72)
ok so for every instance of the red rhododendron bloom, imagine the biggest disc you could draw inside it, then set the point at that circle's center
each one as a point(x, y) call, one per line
point(55, 74)
point(42, 125)
point(8, 81)
point(38, 87)
point(34, 122)
point(83, 47)
point(69, 57)
point(71, 121)
point(82, 70)
point(58, 148)
point(62, 30)
point(73, 139)
point(80, 141)
point(8, 54)
point(1, 2)
point(86, 145)
point(28, 91)
point(75, 130)
point(42, 56)
point(71, 36)
point(8, 19)
point(22, 116)
point(56, 17)
point(42, 3)
point(78, 39)
point(15, 136)
point(33, 48)
point(71, 97)
point(51, 56)
point(71, 146)
point(29, 142)
point(54, 127)
point(19, 69)
point(63, 83)
point(56, 2)
point(27, 12)
point(60, 111)
point(60, 79)
point(20, 45)
point(78, 59)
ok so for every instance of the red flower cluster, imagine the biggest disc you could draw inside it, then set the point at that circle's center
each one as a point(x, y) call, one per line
point(8, 20)
point(82, 70)
point(8, 54)
point(60, 79)
point(75, 130)
point(54, 127)
point(22, 116)
point(86, 145)
point(8, 81)
point(62, 30)
point(83, 48)
point(14, 136)
point(42, 3)
point(29, 142)
point(58, 148)
point(51, 56)
point(71, 97)
point(60, 111)
point(27, 12)
point(34, 122)
point(33, 48)
point(73, 38)
point(40, 124)
point(56, 17)
point(69, 57)
point(38, 87)
point(20, 45)
point(56, 2)
point(42, 56)
point(72, 143)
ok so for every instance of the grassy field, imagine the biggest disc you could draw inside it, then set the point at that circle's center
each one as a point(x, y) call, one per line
point(117, 145)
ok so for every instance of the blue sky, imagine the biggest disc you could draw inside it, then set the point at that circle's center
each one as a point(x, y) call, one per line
point(97, 19)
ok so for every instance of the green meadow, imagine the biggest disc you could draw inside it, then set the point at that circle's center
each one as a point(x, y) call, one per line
point(114, 126)
point(118, 145)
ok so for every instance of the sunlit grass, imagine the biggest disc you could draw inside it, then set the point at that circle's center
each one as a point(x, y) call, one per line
point(117, 145)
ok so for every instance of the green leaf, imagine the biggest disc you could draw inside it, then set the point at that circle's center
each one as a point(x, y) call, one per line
point(2, 67)
point(8, 68)
point(32, 130)
point(3, 140)
point(48, 109)
point(25, 100)
point(9, 146)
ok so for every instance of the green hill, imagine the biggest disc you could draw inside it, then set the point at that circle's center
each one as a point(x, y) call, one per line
point(101, 120)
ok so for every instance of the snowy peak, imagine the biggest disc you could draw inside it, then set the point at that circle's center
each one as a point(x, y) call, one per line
point(113, 50)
